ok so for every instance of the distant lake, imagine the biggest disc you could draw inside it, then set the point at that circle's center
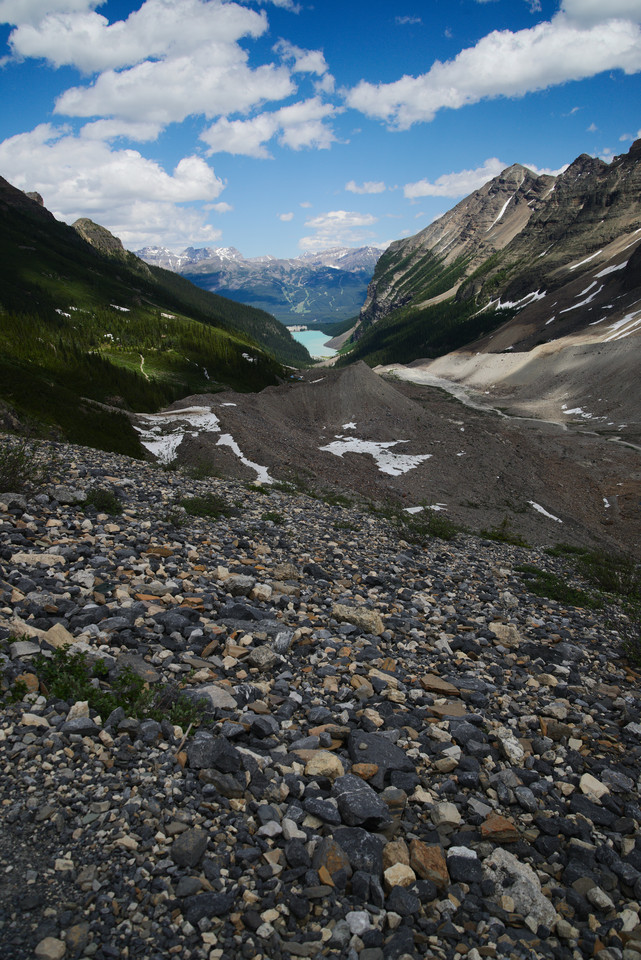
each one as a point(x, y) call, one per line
point(315, 342)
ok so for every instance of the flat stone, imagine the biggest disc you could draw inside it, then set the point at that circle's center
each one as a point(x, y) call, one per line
point(435, 684)
point(216, 696)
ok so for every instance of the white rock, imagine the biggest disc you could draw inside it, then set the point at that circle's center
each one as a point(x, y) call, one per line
point(592, 787)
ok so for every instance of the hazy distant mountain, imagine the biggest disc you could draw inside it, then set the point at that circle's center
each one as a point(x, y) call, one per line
point(328, 286)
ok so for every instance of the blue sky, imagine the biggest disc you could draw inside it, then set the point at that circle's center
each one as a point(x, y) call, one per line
point(286, 126)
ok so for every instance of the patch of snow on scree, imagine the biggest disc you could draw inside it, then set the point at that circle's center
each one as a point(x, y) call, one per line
point(393, 464)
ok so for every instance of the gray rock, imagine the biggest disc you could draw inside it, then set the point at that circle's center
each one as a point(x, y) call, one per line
point(358, 803)
point(188, 848)
point(519, 881)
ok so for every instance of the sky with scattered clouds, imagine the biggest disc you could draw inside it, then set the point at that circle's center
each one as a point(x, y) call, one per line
point(287, 126)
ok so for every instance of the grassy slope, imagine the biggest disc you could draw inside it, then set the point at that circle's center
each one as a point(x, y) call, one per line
point(62, 338)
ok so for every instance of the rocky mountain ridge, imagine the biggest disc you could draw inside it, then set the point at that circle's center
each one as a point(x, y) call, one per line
point(533, 245)
point(407, 753)
point(327, 286)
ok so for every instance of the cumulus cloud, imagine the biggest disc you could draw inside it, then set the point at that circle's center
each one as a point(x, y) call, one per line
point(285, 217)
point(338, 228)
point(455, 184)
point(511, 64)
point(160, 29)
point(369, 186)
point(132, 196)
point(33, 11)
point(302, 61)
point(298, 125)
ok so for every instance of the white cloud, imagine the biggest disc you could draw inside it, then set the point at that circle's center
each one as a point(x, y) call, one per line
point(338, 228)
point(630, 136)
point(302, 61)
point(455, 184)
point(125, 192)
point(592, 128)
point(33, 11)
point(298, 125)
point(285, 217)
point(595, 11)
point(113, 129)
point(546, 171)
point(169, 91)
point(305, 204)
point(221, 207)
point(507, 64)
point(369, 186)
point(403, 21)
point(160, 29)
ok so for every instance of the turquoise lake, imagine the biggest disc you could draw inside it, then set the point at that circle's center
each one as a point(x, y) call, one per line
point(315, 342)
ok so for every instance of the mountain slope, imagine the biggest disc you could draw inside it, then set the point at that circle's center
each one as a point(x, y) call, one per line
point(314, 288)
point(76, 323)
point(537, 257)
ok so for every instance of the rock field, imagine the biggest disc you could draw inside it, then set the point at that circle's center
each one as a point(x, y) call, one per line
point(407, 754)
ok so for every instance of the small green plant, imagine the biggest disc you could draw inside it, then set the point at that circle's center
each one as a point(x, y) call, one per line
point(209, 506)
point(71, 677)
point(503, 533)
point(545, 584)
point(417, 528)
point(274, 516)
point(104, 500)
point(613, 572)
point(20, 468)
point(202, 471)
point(16, 692)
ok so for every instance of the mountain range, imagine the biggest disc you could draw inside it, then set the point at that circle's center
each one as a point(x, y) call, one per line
point(313, 288)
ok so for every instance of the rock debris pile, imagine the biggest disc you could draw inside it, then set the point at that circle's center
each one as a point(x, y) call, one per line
point(406, 754)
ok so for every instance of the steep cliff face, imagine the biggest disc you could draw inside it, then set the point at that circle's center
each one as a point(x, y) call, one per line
point(433, 263)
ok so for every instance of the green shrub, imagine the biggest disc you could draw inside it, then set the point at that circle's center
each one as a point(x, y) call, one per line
point(545, 584)
point(20, 468)
point(71, 677)
point(210, 506)
point(274, 516)
point(104, 500)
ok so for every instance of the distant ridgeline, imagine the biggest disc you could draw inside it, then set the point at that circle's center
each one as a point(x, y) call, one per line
point(86, 325)
point(318, 288)
point(510, 265)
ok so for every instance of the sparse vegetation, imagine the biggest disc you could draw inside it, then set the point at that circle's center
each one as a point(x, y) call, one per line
point(542, 583)
point(104, 501)
point(20, 468)
point(504, 533)
point(72, 677)
point(209, 506)
point(273, 516)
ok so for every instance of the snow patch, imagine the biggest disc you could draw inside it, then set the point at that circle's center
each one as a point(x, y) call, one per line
point(262, 473)
point(349, 426)
point(503, 209)
point(624, 327)
point(164, 446)
point(393, 464)
point(540, 509)
point(122, 309)
point(604, 273)
point(587, 260)
point(523, 302)
point(587, 299)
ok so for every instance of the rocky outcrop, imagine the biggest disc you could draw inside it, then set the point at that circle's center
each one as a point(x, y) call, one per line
point(467, 235)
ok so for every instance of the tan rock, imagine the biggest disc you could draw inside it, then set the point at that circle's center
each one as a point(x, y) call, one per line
point(30, 681)
point(592, 787)
point(50, 949)
point(324, 764)
point(367, 620)
point(429, 863)
point(396, 851)
point(435, 684)
point(33, 720)
point(400, 875)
